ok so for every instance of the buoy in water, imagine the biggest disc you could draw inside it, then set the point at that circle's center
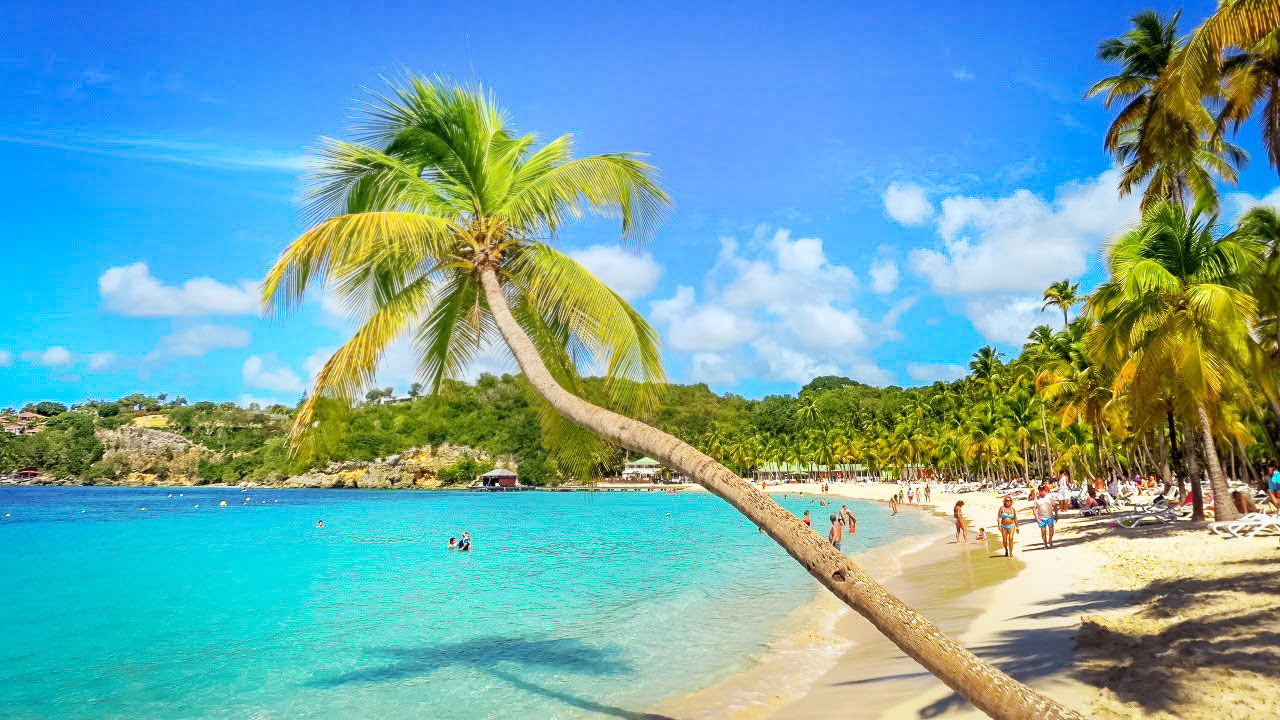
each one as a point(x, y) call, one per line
point(222, 504)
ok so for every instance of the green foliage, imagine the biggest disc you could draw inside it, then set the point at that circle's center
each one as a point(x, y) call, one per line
point(463, 471)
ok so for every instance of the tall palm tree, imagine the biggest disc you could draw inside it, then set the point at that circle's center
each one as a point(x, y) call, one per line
point(1175, 315)
point(1196, 70)
point(1062, 294)
point(1251, 78)
point(436, 224)
point(1170, 148)
point(1262, 226)
point(1143, 53)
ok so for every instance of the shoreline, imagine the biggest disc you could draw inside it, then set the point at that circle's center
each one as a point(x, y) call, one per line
point(1160, 621)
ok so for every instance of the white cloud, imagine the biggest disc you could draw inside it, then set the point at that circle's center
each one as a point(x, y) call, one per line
point(907, 203)
point(132, 290)
point(694, 327)
point(168, 149)
point(713, 369)
point(6, 358)
point(999, 254)
point(1238, 203)
point(777, 309)
point(930, 371)
point(884, 276)
point(198, 341)
point(630, 275)
point(962, 74)
point(1022, 242)
point(101, 361)
point(1006, 319)
point(266, 372)
point(53, 357)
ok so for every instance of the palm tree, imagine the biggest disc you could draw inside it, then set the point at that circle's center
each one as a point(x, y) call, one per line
point(1062, 294)
point(1176, 314)
point(1196, 71)
point(1252, 78)
point(435, 225)
point(1262, 226)
point(1171, 148)
point(1143, 53)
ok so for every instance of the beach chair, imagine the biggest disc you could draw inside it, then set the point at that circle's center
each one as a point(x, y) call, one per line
point(1247, 526)
point(1155, 515)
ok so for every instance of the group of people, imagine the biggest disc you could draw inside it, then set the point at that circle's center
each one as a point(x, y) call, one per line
point(843, 521)
point(462, 545)
point(911, 494)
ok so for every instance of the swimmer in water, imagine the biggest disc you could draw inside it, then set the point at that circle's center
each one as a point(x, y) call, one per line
point(453, 544)
point(319, 523)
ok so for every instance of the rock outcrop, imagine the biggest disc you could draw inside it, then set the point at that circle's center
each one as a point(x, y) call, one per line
point(414, 468)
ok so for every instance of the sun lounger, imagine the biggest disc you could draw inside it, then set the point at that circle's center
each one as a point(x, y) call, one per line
point(1155, 515)
point(1247, 525)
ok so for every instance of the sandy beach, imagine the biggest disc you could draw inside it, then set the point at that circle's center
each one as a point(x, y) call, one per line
point(1161, 621)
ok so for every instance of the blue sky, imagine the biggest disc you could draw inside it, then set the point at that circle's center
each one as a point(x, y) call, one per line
point(868, 191)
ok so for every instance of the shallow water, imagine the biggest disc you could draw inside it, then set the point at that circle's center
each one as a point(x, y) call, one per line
point(571, 604)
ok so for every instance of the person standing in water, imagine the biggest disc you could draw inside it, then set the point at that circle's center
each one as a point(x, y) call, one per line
point(836, 534)
point(1007, 520)
point(962, 534)
point(808, 521)
point(453, 544)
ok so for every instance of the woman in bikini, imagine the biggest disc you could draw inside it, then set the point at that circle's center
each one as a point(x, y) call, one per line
point(1007, 519)
point(962, 535)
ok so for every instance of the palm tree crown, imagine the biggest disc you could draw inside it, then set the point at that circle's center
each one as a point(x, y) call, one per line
point(438, 188)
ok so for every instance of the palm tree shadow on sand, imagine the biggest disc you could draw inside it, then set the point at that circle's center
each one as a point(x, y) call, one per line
point(497, 656)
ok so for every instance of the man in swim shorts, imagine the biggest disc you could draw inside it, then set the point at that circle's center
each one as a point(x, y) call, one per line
point(837, 531)
point(1046, 510)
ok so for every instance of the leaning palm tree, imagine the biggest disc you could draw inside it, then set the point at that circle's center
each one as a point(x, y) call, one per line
point(437, 224)
point(1175, 317)
point(1062, 294)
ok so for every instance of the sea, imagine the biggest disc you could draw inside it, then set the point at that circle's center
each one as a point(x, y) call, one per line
point(161, 603)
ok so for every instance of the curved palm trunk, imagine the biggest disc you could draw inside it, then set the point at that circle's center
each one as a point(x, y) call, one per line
point(989, 689)
point(1223, 507)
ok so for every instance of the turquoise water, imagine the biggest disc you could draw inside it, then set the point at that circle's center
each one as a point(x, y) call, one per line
point(571, 605)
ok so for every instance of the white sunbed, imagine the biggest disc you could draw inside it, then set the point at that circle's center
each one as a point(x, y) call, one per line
point(1247, 525)
point(1157, 515)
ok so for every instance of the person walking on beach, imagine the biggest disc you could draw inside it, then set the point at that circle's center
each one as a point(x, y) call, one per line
point(1064, 491)
point(962, 535)
point(837, 528)
point(1046, 511)
point(928, 492)
point(893, 504)
point(1007, 520)
point(911, 494)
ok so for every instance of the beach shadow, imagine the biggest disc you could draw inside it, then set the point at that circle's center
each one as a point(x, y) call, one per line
point(568, 655)
point(1023, 655)
point(497, 656)
point(1073, 604)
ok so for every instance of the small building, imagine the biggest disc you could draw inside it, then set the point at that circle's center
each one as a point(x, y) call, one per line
point(28, 415)
point(646, 468)
point(499, 478)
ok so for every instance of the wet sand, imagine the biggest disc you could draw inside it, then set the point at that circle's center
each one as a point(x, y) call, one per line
point(829, 662)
